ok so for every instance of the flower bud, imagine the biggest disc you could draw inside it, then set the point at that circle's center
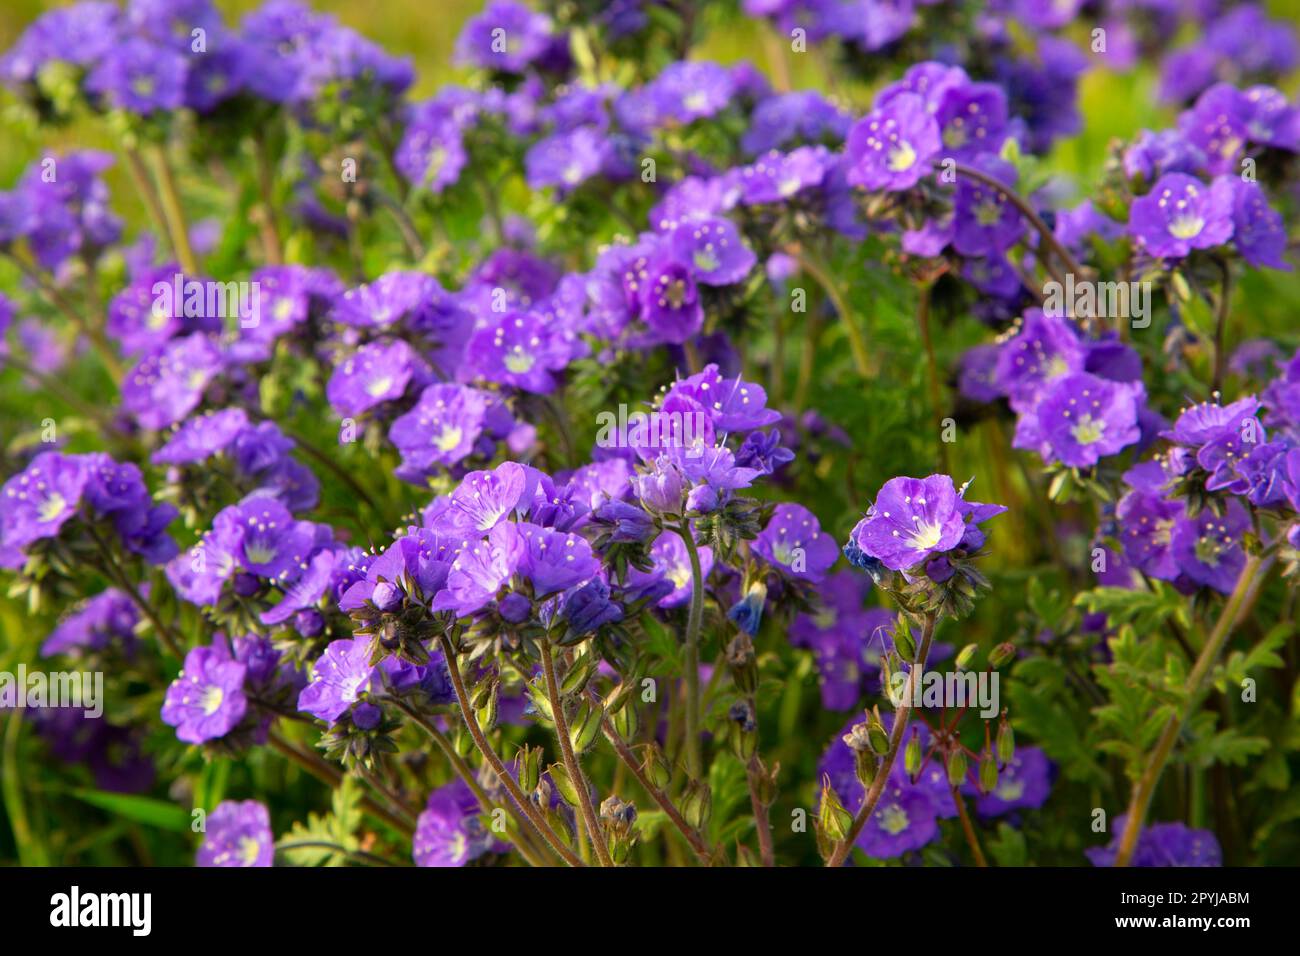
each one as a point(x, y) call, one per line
point(585, 727)
point(563, 784)
point(1006, 743)
point(832, 819)
point(912, 756)
point(1002, 655)
point(697, 803)
point(528, 763)
point(903, 642)
point(988, 773)
point(966, 655)
point(742, 663)
point(656, 767)
point(957, 768)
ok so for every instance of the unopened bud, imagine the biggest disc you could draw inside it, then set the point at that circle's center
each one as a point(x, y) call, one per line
point(697, 803)
point(563, 785)
point(967, 655)
point(1006, 743)
point(912, 756)
point(833, 820)
point(988, 774)
point(1002, 655)
point(529, 764)
point(656, 767)
point(957, 768)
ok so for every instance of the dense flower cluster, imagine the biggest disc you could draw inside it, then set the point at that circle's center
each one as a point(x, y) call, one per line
point(351, 496)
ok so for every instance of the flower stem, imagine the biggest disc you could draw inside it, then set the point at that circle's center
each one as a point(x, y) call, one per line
point(576, 776)
point(144, 186)
point(1053, 244)
point(490, 755)
point(932, 372)
point(901, 718)
point(857, 344)
point(466, 773)
point(360, 856)
point(174, 213)
point(273, 247)
point(1239, 602)
point(331, 777)
point(701, 846)
point(119, 577)
point(762, 823)
point(694, 620)
point(971, 839)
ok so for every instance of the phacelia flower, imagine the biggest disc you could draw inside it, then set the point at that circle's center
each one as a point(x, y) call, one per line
point(237, 834)
point(206, 701)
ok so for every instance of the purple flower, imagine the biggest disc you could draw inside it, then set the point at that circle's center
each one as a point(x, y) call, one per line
point(104, 621)
point(206, 700)
point(912, 519)
point(265, 539)
point(520, 349)
point(552, 560)
point(442, 429)
point(672, 565)
point(237, 834)
point(168, 384)
point(669, 300)
point(1208, 548)
point(662, 489)
point(732, 404)
point(506, 37)
point(794, 541)
point(201, 437)
point(1216, 125)
point(339, 677)
point(777, 177)
point(1205, 422)
point(486, 497)
point(79, 34)
point(374, 374)
point(785, 117)
point(1081, 419)
point(448, 832)
point(589, 607)
point(1044, 350)
point(567, 159)
point(715, 250)
point(893, 146)
point(1162, 844)
point(985, 221)
point(972, 119)
point(39, 500)
point(1180, 214)
point(1257, 228)
point(1146, 524)
point(139, 76)
point(481, 570)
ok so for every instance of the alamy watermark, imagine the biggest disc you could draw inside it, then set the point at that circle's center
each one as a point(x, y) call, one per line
point(1084, 299)
point(37, 690)
point(208, 299)
point(656, 429)
point(960, 689)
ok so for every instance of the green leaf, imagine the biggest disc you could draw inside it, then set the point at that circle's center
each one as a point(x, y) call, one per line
point(146, 810)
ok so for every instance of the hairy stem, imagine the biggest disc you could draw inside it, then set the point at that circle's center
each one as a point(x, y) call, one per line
point(822, 274)
point(494, 761)
point(971, 839)
point(694, 620)
point(901, 718)
point(576, 776)
point(174, 212)
point(1239, 602)
point(466, 773)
